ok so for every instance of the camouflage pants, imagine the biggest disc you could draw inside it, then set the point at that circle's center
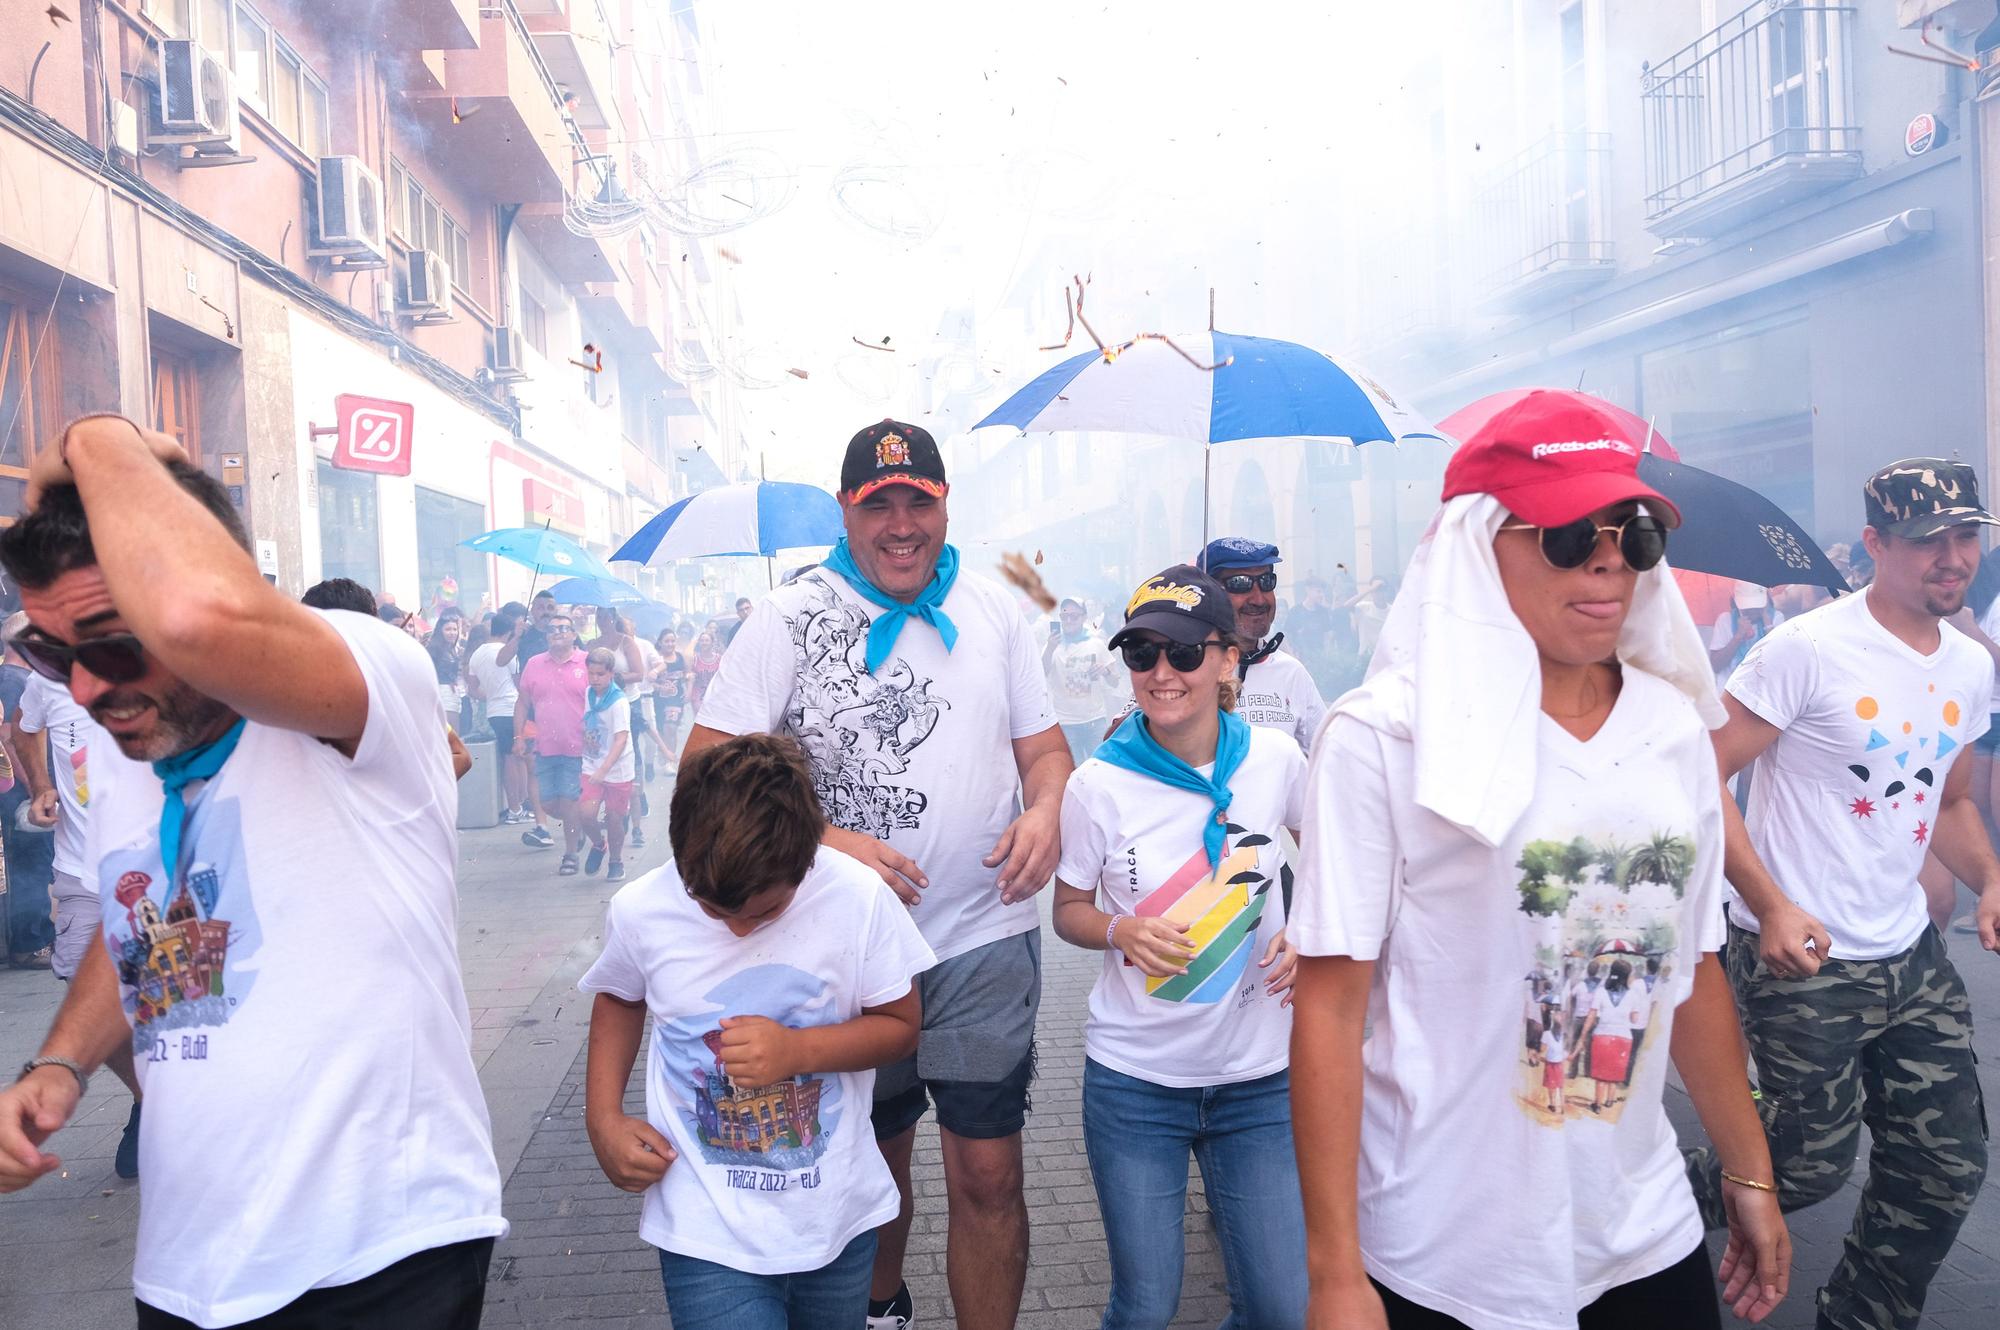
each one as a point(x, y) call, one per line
point(1887, 1043)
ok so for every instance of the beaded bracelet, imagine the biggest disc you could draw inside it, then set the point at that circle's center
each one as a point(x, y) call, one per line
point(1110, 934)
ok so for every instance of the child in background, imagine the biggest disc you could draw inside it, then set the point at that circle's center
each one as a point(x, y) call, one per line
point(778, 976)
point(609, 769)
point(1554, 1054)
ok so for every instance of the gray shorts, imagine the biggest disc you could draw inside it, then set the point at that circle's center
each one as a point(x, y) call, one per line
point(77, 918)
point(976, 1052)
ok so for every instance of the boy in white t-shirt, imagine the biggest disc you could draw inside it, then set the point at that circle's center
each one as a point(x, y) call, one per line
point(610, 770)
point(778, 975)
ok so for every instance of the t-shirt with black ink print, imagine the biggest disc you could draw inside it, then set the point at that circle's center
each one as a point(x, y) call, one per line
point(918, 754)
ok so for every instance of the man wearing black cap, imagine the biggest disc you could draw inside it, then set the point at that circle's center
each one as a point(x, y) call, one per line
point(918, 695)
point(1278, 690)
point(1855, 715)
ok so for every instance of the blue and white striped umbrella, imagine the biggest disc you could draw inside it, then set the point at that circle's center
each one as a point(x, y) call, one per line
point(760, 518)
point(1269, 389)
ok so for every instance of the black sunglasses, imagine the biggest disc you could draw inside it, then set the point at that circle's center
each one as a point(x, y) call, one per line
point(1238, 583)
point(114, 658)
point(1642, 541)
point(1186, 657)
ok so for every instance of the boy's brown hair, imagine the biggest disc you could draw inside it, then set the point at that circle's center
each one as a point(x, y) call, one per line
point(744, 818)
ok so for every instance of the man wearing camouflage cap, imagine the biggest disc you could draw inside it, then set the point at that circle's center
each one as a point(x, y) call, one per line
point(1856, 714)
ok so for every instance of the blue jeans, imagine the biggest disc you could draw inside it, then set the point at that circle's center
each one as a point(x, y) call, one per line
point(1138, 1135)
point(702, 1295)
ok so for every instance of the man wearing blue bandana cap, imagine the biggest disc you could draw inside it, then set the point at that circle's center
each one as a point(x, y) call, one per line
point(1278, 690)
point(919, 697)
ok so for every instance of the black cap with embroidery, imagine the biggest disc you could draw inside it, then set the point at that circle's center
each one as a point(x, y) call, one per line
point(1921, 496)
point(891, 453)
point(1182, 604)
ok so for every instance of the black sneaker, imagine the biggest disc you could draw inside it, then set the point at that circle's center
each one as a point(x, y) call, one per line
point(616, 872)
point(638, 836)
point(594, 860)
point(898, 1313)
point(127, 1160)
point(538, 838)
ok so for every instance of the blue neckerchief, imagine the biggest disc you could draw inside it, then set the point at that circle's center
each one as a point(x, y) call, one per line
point(928, 606)
point(596, 702)
point(176, 773)
point(1133, 747)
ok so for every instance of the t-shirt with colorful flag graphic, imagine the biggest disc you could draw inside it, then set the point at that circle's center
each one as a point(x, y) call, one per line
point(1137, 843)
point(1843, 801)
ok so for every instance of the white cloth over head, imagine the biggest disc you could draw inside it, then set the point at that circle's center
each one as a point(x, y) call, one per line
point(1473, 676)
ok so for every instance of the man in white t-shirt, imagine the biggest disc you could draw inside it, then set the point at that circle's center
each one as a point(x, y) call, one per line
point(919, 699)
point(279, 914)
point(1278, 690)
point(1083, 684)
point(495, 684)
point(55, 737)
point(1743, 625)
point(1856, 714)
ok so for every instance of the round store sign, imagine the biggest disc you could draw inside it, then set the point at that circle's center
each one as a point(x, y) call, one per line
point(1921, 136)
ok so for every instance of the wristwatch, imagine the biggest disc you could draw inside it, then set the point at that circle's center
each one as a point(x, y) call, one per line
point(82, 1081)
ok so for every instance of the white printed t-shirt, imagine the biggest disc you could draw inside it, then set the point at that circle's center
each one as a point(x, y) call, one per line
point(920, 753)
point(1279, 694)
point(47, 707)
point(772, 1179)
point(1136, 842)
point(496, 681)
point(600, 728)
point(299, 1020)
point(1843, 801)
point(1617, 858)
point(1082, 685)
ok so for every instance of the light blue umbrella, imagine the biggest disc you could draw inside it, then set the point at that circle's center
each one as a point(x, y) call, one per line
point(606, 591)
point(541, 549)
point(756, 518)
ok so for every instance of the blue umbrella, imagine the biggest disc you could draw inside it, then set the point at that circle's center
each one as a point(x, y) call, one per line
point(756, 518)
point(541, 549)
point(606, 591)
point(1259, 388)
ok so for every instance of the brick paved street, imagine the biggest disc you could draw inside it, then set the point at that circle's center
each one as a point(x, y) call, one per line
point(574, 1256)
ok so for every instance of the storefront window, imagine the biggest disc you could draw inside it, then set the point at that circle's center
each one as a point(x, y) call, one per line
point(177, 400)
point(350, 541)
point(442, 522)
point(27, 392)
point(1739, 402)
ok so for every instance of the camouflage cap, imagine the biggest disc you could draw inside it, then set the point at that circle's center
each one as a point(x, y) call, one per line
point(1920, 496)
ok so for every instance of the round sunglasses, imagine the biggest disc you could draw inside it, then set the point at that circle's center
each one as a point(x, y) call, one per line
point(1237, 584)
point(1641, 538)
point(114, 658)
point(1185, 657)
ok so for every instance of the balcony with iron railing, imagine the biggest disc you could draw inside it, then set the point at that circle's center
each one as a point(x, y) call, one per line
point(1538, 222)
point(1749, 116)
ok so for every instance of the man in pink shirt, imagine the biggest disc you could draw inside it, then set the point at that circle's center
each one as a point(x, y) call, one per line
point(551, 697)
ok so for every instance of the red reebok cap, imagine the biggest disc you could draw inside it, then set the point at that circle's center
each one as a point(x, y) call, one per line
point(1552, 459)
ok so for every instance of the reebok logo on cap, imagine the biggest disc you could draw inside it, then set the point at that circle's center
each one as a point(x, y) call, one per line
point(1542, 450)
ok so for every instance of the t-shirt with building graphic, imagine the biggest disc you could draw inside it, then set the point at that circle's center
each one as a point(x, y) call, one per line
point(919, 753)
point(1137, 842)
point(771, 1179)
point(299, 1020)
point(1612, 874)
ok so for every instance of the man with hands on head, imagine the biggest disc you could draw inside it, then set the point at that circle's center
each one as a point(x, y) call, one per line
point(278, 912)
point(1856, 715)
point(918, 695)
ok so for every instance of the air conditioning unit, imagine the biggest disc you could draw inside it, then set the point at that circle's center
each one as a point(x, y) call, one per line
point(197, 99)
point(349, 207)
point(505, 359)
point(426, 282)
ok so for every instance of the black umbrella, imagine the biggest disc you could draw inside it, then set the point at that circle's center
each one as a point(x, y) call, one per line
point(1731, 530)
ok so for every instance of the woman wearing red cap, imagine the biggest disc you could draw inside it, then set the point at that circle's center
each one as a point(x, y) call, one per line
point(1483, 837)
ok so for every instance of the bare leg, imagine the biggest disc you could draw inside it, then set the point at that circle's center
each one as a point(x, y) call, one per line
point(893, 1238)
point(614, 832)
point(986, 1251)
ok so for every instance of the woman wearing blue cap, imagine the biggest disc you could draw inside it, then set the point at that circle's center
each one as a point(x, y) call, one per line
point(1171, 866)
